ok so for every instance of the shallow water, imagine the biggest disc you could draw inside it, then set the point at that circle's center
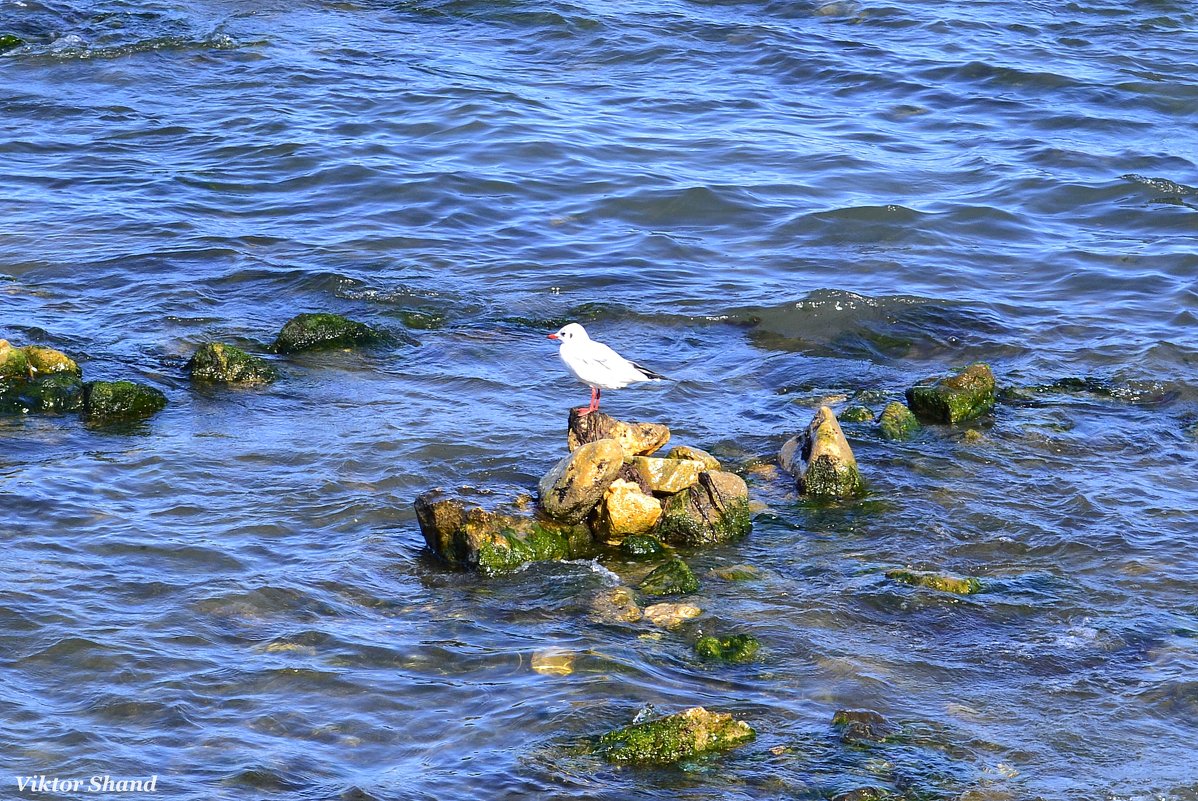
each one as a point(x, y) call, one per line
point(773, 203)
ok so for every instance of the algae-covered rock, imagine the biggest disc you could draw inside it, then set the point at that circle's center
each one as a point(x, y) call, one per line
point(115, 401)
point(226, 364)
point(714, 510)
point(668, 476)
point(45, 361)
point(626, 510)
point(14, 364)
point(642, 546)
point(736, 572)
point(615, 605)
point(672, 578)
point(862, 726)
point(637, 439)
point(322, 332)
point(968, 394)
point(897, 422)
point(54, 392)
point(8, 41)
point(671, 615)
point(961, 585)
point(694, 454)
point(673, 738)
point(821, 460)
point(857, 414)
point(737, 648)
point(576, 484)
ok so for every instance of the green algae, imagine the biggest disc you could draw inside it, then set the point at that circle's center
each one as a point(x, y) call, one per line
point(897, 422)
point(964, 396)
point(220, 363)
point(736, 648)
point(856, 414)
point(641, 546)
point(672, 578)
point(110, 401)
point(673, 738)
point(961, 585)
point(323, 331)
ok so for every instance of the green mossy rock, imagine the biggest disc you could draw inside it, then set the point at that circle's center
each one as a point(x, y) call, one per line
point(684, 735)
point(220, 363)
point(113, 401)
point(14, 364)
point(821, 460)
point(672, 578)
point(323, 332)
point(737, 648)
point(860, 726)
point(897, 422)
point(964, 396)
point(961, 585)
point(713, 511)
point(8, 41)
point(857, 414)
point(641, 546)
point(56, 392)
point(44, 361)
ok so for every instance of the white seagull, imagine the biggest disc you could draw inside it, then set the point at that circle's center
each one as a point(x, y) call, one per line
point(597, 365)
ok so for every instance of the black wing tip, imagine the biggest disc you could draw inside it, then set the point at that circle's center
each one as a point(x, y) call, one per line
point(649, 374)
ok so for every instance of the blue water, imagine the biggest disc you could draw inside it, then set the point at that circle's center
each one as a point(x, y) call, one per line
point(776, 204)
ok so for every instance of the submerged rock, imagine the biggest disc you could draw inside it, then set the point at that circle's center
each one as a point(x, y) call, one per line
point(897, 422)
point(670, 615)
point(868, 794)
point(857, 414)
point(322, 332)
point(54, 392)
point(637, 439)
point(961, 585)
point(737, 648)
point(673, 738)
point(667, 476)
point(615, 605)
point(672, 578)
point(626, 510)
point(736, 572)
point(862, 725)
point(821, 460)
point(694, 454)
point(114, 401)
point(8, 41)
point(968, 394)
point(576, 484)
point(715, 510)
point(226, 364)
point(642, 546)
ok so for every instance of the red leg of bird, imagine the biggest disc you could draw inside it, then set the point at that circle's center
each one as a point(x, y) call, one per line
point(594, 407)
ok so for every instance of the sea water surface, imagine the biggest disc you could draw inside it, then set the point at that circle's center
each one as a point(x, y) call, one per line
point(777, 204)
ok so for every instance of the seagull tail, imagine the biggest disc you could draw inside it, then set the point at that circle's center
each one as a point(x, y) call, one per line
point(649, 374)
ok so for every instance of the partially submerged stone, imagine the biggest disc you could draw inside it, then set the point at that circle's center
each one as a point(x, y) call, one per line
point(862, 726)
point(964, 396)
point(636, 439)
point(8, 41)
point(897, 422)
point(553, 662)
point(736, 572)
point(54, 392)
point(714, 510)
point(670, 739)
point(736, 648)
point(615, 605)
point(694, 454)
point(671, 615)
point(821, 460)
point(116, 401)
point(857, 414)
point(45, 361)
point(671, 578)
point(626, 510)
point(642, 546)
point(668, 476)
point(322, 331)
point(961, 585)
point(576, 484)
point(14, 364)
point(221, 363)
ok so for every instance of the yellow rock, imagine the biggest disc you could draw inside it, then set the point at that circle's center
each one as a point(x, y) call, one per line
point(616, 605)
point(687, 452)
point(553, 662)
point(668, 475)
point(48, 360)
point(670, 615)
point(576, 484)
point(635, 438)
point(626, 510)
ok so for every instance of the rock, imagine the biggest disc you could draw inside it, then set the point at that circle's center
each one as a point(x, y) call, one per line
point(637, 439)
point(113, 401)
point(467, 535)
point(857, 414)
point(714, 510)
point(736, 573)
point(937, 581)
point(968, 394)
point(821, 460)
point(14, 364)
point(577, 483)
point(863, 725)
point(53, 392)
point(642, 546)
point(675, 737)
point(867, 794)
point(694, 454)
point(8, 41)
point(897, 422)
point(226, 364)
point(972, 437)
point(737, 648)
point(668, 476)
point(672, 578)
point(322, 332)
point(553, 662)
point(626, 510)
point(616, 605)
point(668, 616)
point(45, 361)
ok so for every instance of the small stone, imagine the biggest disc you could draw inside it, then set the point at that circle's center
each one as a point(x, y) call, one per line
point(668, 476)
point(821, 460)
point(641, 546)
point(615, 605)
point(112, 401)
point(857, 414)
point(226, 364)
point(44, 361)
point(553, 662)
point(670, 615)
point(961, 585)
point(694, 454)
point(964, 396)
point(736, 573)
point(737, 648)
point(862, 725)
point(972, 437)
point(626, 510)
point(576, 484)
point(8, 41)
point(672, 578)
point(637, 439)
point(673, 738)
point(322, 332)
point(897, 422)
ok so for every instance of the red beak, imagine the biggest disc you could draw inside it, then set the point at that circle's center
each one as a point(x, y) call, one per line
point(553, 336)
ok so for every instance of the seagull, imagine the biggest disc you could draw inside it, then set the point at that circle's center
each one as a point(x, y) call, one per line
point(597, 365)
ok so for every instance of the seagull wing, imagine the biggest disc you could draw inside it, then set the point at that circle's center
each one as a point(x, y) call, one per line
point(608, 359)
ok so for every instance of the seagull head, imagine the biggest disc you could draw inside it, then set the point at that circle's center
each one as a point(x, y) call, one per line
point(573, 331)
